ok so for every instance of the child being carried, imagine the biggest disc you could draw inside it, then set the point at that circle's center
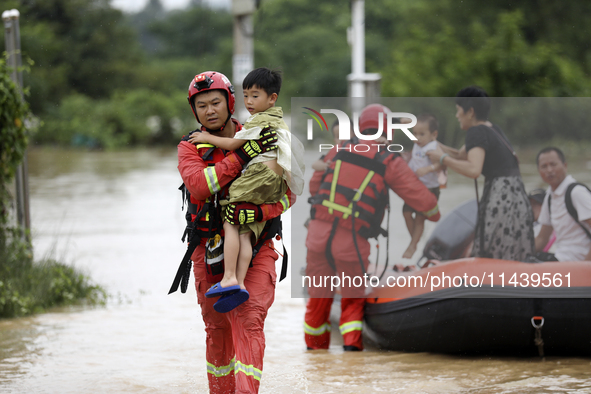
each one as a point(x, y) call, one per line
point(264, 180)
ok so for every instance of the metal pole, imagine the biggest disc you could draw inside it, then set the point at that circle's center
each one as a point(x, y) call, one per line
point(243, 58)
point(14, 61)
point(358, 48)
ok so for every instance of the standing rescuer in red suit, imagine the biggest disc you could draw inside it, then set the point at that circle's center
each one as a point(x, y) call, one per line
point(235, 340)
point(348, 204)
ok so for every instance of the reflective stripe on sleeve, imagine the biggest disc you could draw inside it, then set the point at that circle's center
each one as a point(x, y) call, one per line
point(221, 371)
point(212, 180)
point(355, 325)
point(248, 370)
point(431, 212)
point(285, 202)
point(316, 331)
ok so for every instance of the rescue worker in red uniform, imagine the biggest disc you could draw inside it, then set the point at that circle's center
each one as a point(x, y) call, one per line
point(353, 193)
point(235, 341)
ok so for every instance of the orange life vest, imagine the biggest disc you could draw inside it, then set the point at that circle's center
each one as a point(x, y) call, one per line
point(204, 216)
point(353, 189)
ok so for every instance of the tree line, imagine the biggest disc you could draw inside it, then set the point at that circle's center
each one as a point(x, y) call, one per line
point(101, 78)
point(27, 287)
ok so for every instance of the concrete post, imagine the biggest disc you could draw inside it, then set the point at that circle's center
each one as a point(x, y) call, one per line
point(14, 61)
point(243, 58)
point(358, 47)
point(364, 88)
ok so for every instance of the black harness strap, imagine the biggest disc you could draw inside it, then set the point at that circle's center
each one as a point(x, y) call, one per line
point(361, 161)
point(272, 228)
point(327, 251)
point(380, 202)
point(355, 239)
point(184, 271)
point(568, 200)
point(362, 214)
point(350, 193)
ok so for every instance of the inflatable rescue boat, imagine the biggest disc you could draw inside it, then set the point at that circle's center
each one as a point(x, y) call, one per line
point(480, 305)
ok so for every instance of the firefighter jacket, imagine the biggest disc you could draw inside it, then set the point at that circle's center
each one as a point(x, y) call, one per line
point(357, 182)
point(207, 172)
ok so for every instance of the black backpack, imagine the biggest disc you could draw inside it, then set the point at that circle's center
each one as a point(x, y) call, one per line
point(569, 204)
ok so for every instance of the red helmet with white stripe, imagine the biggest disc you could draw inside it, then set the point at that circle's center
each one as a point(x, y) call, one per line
point(212, 80)
point(370, 117)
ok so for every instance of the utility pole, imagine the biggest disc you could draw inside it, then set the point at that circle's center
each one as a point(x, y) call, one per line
point(361, 84)
point(357, 47)
point(14, 62)
point(243, 58)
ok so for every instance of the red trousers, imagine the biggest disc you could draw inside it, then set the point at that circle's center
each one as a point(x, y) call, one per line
point(321, 278)
point(235, 340)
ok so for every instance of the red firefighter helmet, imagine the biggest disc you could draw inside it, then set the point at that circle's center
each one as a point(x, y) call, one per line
point(369, 118)
point(212, 80)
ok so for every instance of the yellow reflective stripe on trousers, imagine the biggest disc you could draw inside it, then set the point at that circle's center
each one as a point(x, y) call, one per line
point(221, 371)
point(248, 370)
point(316, 331)
point(333, 185)
point(285, 202)
point(431, 212)
point(212, 180)
point(355, 325)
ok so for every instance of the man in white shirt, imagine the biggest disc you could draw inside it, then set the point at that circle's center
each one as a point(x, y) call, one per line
point(573, 243)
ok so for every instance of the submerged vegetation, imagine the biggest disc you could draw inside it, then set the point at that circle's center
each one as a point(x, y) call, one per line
point(28, 287)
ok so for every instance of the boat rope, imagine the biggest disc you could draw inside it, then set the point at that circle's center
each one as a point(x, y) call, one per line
point(538, 341)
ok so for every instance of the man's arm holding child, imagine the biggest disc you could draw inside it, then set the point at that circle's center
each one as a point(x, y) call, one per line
point(203, 180)
point(245, 150)
point(198, 176)
point(402, 180)
point(245, 212)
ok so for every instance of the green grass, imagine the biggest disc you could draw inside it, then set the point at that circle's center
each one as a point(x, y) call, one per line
point(28, 287)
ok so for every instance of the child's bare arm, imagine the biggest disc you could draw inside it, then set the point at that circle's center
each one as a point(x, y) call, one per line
point(227, 143)
point(427, 169)
point(220, 142)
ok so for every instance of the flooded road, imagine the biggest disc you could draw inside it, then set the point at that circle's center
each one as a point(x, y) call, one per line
point(117, 216)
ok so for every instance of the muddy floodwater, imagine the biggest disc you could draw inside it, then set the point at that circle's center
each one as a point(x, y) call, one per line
point(117, 216)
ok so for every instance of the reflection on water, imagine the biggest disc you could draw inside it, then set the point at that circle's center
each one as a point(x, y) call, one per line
point(117, 216)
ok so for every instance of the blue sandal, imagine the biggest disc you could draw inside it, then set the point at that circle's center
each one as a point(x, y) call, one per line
point(218, 291)
point(231, 301)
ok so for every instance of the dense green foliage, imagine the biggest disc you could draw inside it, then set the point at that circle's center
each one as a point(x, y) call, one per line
point(93, 62)
point(78, 46)
point(437, 56)
point(92, 84)
point(424, 48)
point(13, 139)
point(28, 287)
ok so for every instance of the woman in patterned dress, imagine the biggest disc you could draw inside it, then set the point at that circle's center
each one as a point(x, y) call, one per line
point(504, 229)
